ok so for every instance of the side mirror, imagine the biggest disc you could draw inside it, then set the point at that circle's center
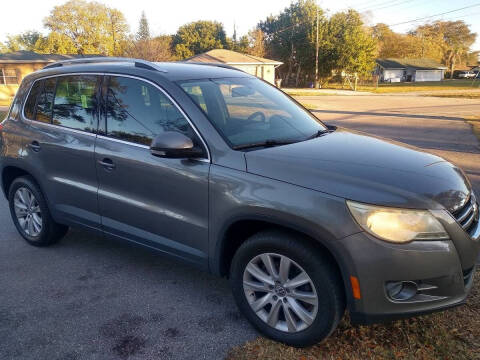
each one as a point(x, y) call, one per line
point(172, 144)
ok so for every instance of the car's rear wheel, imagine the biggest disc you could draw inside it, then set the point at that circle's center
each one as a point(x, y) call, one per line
point(31, 215)
point(289, 290)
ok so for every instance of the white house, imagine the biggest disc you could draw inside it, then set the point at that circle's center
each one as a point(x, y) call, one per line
point(415, 70)
point(254, 65)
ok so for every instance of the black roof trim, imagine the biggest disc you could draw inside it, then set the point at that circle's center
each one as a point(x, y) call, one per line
point(98, 60)
point(221, 65)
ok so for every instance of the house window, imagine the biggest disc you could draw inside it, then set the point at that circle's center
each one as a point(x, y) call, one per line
point(8, 77)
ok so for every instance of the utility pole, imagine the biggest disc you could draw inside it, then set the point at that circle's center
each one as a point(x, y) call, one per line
point(316, 58)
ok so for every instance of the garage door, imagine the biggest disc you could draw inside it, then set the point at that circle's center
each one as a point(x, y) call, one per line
point(428, 75)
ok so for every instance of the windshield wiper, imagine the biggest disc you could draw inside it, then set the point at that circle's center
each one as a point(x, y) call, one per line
point(321, 132)
point(266, 143)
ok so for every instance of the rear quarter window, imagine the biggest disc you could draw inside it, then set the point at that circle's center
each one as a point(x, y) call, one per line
point(31, 102)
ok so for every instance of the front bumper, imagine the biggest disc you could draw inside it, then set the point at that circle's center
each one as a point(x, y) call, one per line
point(443, 271)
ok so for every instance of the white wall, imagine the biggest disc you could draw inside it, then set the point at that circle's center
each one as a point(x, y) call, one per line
point(429, 75)
point(392, 74)
point(265, 72)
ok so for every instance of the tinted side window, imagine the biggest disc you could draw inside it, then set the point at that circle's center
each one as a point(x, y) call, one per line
point(138, 111)
point(45, 101)
point(75, 104)
point(32, 99)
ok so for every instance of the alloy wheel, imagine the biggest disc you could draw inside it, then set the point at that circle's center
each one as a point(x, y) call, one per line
point(27, 211)
point(280, 292)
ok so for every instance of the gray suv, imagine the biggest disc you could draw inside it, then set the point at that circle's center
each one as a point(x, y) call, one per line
point(215, 167)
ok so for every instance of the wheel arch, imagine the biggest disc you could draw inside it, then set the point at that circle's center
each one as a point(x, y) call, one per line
point(239, 229)
point(9, 174)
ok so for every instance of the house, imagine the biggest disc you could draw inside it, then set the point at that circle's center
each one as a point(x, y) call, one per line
point(398, 70)
point(16, 65)
point(254, 65)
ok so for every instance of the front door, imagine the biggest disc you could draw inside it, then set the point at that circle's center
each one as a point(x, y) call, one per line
point(60, 145)
point(159, 202)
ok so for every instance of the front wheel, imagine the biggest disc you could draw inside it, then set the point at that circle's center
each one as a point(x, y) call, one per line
point(290, 291)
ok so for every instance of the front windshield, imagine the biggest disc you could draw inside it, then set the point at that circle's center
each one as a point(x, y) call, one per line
point(248, 111)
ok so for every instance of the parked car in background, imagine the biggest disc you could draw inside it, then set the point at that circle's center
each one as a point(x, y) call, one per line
point(217, 168)
point(466, 75)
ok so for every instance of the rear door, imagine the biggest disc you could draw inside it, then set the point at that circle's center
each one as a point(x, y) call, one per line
point(160, 202)
point(60, 145)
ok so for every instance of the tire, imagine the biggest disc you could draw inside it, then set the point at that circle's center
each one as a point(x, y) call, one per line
point(323, 281)
point(44, 230)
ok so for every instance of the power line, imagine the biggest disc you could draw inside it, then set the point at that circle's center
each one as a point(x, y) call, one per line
point(385, 5)
point(431, 16)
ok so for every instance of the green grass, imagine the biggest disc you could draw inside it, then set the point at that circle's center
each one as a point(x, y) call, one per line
point(453, 334)
point(2, 115)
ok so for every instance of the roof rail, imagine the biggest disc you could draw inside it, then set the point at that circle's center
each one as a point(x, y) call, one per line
point(105, 59)
point(217, 64)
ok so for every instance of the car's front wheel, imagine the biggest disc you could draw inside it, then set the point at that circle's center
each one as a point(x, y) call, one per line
point(289, 290)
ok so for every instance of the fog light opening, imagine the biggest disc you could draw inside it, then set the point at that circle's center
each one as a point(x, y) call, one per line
point(401, 290)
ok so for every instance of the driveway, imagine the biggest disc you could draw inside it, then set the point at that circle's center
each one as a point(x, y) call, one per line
point(92, 298)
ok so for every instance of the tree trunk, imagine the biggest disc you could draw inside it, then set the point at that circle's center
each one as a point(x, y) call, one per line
point(298, 76)
point(452, 65)
point(290, 67)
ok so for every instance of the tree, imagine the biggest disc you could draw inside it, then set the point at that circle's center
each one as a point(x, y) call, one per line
point(156, 49)
point(143, 29)
point(347, 46)
point(291, 35)
point(55, 43)
point(256, 43)
point(93, 28)
point(198, 37)
point(394, 45)
point(458, 39)
point(23, 41)
point(445, 41)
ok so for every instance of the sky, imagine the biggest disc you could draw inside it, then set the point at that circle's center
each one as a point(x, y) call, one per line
point(166, 16)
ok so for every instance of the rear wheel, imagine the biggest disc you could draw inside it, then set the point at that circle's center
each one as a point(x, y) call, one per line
point(289, 290)
point(30, 213)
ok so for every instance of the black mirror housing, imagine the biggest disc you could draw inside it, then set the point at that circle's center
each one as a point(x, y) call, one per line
point(172, 144)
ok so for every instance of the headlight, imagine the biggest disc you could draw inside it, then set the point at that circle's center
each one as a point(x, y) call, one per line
point(397, 225)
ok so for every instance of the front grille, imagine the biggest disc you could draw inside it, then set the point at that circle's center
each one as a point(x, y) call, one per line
point(467, 216)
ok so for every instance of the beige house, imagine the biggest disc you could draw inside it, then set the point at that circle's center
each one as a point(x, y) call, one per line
point(260, 67)
point(16, 65)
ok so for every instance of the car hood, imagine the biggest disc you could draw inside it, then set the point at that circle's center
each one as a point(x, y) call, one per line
point(365, 168)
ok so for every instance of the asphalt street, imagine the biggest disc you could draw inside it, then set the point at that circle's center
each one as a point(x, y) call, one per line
point(92, 298)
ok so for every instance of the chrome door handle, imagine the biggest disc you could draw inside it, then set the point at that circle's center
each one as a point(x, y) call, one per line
point(35, 146)
point(107, 164)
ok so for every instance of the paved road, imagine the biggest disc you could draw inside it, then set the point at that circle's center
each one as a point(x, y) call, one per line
point(434, 124)
point(90, 298)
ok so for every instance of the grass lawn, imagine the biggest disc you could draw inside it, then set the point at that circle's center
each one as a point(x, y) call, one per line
point(453, 334)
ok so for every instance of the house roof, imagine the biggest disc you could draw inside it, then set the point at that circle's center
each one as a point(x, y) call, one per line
point(24, 56)
point(230, 57)
point(419, 64)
